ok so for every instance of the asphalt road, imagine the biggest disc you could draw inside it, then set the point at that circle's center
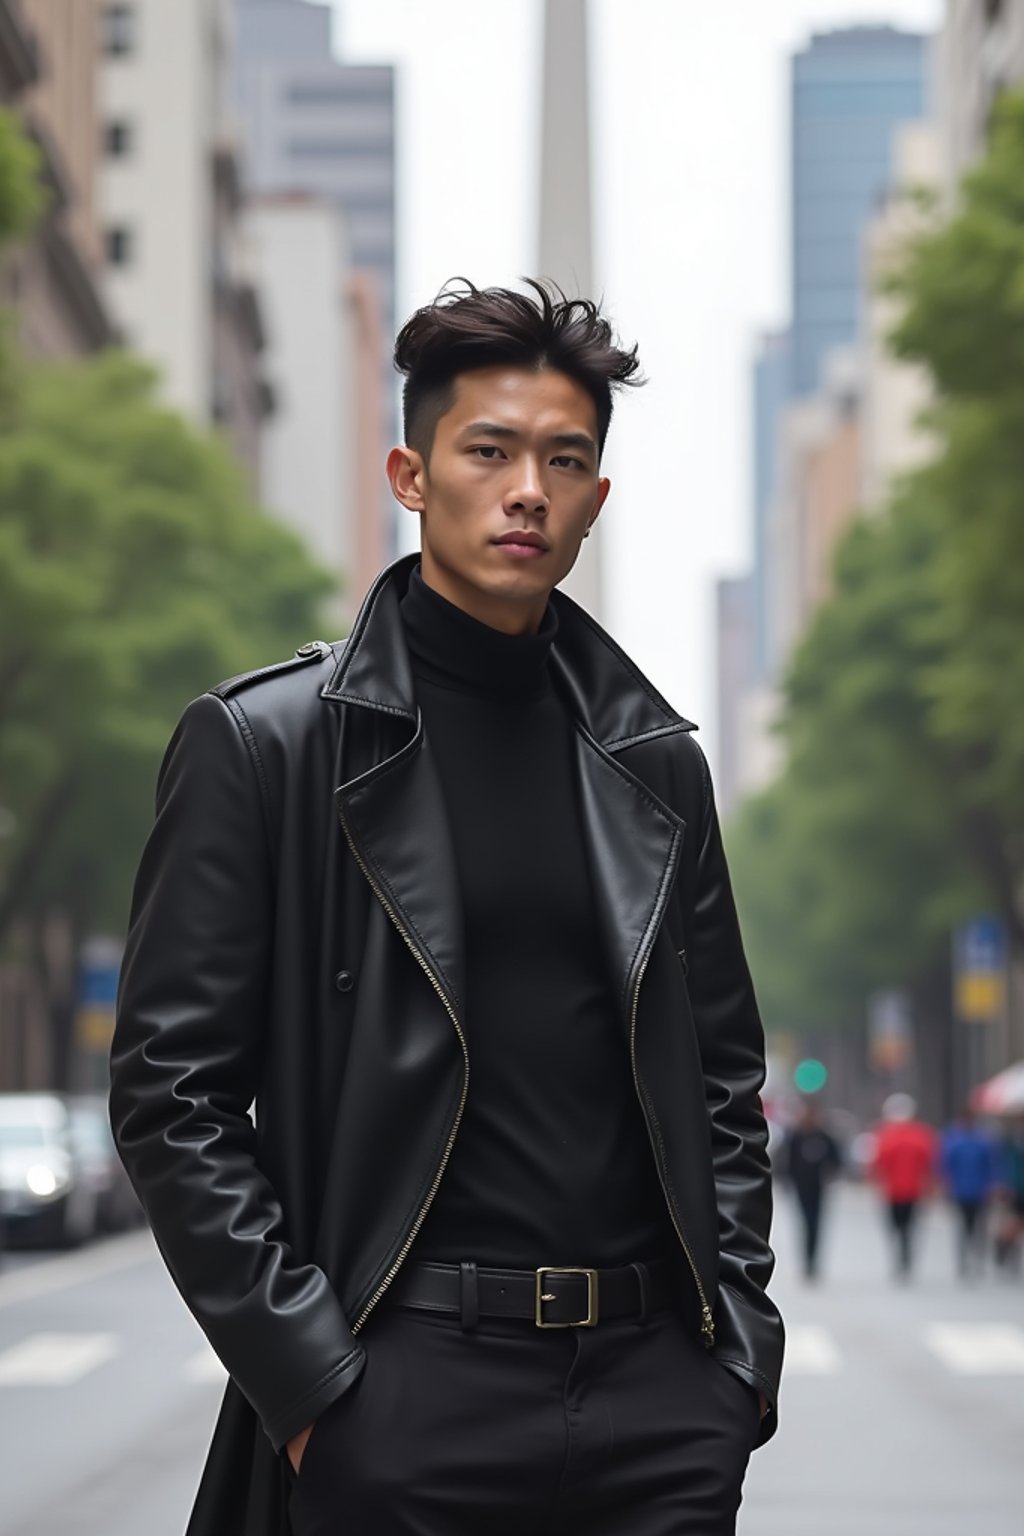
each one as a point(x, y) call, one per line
point(902, 1410)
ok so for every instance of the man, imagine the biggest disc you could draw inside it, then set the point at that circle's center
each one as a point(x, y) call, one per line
point(810, 1159)
point(969, 1164)
point(904, 1169)
point(448, 902)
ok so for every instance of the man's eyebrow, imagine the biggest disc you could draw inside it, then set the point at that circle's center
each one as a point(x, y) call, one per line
point(487, 429)
point(574, 440)
point(581, 440)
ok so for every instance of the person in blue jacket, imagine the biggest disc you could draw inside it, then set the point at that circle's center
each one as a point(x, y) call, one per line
point(969, 1165)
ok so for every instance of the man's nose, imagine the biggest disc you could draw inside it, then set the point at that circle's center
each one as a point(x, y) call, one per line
point(527, 493)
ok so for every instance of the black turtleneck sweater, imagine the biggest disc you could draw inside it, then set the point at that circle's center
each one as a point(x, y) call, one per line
point(552, 1163)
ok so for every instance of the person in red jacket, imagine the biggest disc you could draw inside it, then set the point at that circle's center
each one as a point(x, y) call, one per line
point(903, 1167)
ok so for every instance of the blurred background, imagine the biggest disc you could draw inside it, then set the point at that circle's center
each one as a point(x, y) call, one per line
point(810, 215)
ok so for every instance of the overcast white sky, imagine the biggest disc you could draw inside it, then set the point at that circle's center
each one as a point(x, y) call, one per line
point(690, 119)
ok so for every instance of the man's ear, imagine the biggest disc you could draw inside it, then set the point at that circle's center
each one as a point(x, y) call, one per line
point(604, 485)
point(406, 472)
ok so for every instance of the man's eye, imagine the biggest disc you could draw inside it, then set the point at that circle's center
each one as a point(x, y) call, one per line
point(487, 450)
point(566, 461)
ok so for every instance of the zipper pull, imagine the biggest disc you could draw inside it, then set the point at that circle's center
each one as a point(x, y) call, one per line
point(683, 960)
point(707, 1327)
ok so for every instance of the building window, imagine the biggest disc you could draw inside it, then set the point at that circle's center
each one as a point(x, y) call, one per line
point(118, 139)
point(119, 245)
point(119, 30)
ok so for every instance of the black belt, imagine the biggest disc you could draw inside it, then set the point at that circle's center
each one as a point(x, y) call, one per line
point(556, 1296)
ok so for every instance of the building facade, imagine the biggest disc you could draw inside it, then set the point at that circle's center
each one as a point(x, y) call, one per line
point(980, 53)
point(49, 282)
point(64, 102)
point(849, 90)
point(314, 126)
point(770, 387)
point(170, 206)
point(309, 452)
point(895, 395)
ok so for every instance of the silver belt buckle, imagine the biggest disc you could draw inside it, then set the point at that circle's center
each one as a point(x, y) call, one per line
point(543, 1296)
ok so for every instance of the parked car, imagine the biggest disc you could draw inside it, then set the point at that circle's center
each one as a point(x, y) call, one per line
point(117, 1205)
point(43, 1193)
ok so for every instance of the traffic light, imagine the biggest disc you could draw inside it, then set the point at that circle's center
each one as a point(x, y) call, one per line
point(810, 1075)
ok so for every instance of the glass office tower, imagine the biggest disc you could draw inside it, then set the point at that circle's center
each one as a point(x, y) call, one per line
point(850, 89)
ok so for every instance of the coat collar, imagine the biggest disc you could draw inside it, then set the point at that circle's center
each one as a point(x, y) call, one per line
point(396, 820)
point(615, 703)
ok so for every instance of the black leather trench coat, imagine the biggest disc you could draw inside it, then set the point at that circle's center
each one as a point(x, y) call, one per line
point(296, 946)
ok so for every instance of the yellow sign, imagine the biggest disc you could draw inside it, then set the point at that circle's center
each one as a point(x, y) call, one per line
point(94, 1028)
point(980, 996)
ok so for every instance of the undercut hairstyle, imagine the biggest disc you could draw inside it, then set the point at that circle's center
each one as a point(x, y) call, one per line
point(468, 327)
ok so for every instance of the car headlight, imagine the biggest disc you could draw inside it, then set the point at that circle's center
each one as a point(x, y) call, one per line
point(43, 1181)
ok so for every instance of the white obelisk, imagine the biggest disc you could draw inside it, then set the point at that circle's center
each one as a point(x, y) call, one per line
point(566, 236)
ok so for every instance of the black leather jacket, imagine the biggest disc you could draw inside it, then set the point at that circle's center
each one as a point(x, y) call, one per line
point(295, 945)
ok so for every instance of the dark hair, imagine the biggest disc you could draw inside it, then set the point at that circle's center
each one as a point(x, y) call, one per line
point(468, 327)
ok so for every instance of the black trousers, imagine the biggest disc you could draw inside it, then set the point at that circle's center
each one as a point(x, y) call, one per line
point(970, 1248)
point(626, 1429)
point(903, 1217)
point(810, 1198)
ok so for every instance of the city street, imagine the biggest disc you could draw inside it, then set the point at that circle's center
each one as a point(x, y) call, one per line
point(902, 1410)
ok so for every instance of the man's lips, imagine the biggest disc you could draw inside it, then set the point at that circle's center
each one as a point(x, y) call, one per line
point(522, 541)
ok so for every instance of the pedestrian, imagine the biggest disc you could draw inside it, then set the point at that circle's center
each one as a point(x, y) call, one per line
point(904, 1168)
point(969, 1167)
point(810, 1160)
point(1010, 1218)
point(447, 904)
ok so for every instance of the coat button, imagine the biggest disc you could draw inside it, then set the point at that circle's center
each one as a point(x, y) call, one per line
point(344, 981)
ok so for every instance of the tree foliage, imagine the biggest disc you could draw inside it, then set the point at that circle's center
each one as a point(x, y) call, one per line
point(902, 805)
point(21, 193)
point(134, 572)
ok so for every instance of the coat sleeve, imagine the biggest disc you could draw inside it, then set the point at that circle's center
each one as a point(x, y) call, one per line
point(749, 1335)
point(185, 1066)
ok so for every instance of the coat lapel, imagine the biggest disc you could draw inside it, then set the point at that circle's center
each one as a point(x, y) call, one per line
point(396, 820)
point(633, 844)
point(393, 813)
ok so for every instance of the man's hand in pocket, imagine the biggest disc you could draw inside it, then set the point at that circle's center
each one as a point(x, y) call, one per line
point(296, 1447)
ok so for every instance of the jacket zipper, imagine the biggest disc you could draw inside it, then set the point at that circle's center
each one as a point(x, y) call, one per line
point(707, 1324)
point(418, 956)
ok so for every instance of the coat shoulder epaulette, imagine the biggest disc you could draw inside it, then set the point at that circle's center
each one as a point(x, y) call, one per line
point(313, 650)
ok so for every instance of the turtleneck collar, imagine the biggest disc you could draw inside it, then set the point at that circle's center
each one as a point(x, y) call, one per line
point(450, 647)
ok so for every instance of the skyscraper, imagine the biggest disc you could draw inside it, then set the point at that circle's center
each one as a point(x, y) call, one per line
point(850, 89)
point(314, 125)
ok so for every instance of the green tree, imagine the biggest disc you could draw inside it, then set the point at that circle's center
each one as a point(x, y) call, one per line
point(963, 296)
point(22, 197)
point(852, 867)
point(134, 571)
point(902, 805)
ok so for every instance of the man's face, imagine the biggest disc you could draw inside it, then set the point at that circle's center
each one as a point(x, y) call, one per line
point(509, 490)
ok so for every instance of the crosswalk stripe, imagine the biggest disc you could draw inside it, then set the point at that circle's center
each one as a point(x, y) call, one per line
point(55, 1359)
point(965, 1348)
point(811, 1352)
point(978, 1349)
point(204, 1366)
